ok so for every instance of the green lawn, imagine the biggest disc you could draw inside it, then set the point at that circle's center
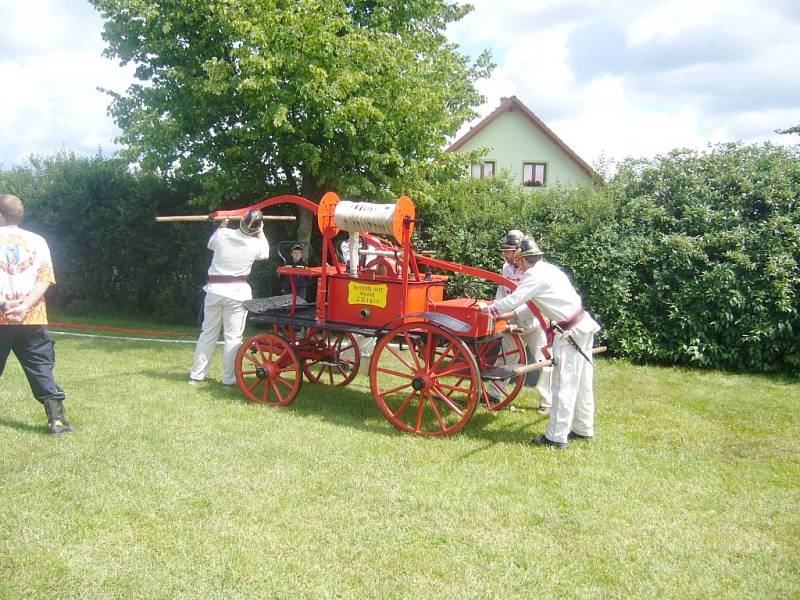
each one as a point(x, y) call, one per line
point(690, 490)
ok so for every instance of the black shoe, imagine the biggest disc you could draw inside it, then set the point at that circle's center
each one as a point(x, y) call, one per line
point(58, 427)
point(577, 436)
point(56, 419)
point(543, 441)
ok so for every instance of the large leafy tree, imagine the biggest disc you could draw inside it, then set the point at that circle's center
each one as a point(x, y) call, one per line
point(298, 96)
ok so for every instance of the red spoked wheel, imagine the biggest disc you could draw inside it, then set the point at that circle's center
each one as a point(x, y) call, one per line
point(495, 353)
point(268, 370)
point(330, 357)
point(424, 379)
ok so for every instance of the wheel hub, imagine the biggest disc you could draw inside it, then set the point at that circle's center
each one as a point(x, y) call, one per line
point(421, 382)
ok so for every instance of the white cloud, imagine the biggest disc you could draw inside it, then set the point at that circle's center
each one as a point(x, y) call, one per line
point(758, 126)
point(611, 122)
point(619, 78)
point(51, 67)
point(612, 77)
point(669, 19)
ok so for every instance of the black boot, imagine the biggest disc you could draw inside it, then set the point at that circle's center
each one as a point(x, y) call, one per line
point(56, 419)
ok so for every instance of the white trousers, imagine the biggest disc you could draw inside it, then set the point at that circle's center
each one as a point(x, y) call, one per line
point(219, 312)
point(571, 389)
point(534, 341)
point(366, 346)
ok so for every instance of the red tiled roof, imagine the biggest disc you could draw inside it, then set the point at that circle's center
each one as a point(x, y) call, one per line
point(507, 104)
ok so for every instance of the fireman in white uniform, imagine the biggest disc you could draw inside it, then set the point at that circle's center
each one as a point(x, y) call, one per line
point(571, 386)
point(531, 332)
point(228, 288)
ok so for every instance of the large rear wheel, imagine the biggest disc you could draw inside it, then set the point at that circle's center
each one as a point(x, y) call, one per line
point(424, 379)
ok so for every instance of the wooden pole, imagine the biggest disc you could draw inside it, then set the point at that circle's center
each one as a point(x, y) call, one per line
point(197, 218)
point(520, 370)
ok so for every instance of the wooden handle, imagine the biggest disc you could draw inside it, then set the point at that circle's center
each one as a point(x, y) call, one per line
point(519, 370)
point(193, 218)
point(181, 218)
point(522, 369)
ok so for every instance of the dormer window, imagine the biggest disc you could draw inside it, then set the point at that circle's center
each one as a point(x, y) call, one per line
point(483, 170)
point(534, 174)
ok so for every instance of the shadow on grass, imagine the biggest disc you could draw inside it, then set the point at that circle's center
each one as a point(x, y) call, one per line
point(356, 409)
point(26, 427)
point(167, 375)
point(212, 385)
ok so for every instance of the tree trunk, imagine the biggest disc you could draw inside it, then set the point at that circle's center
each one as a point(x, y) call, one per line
point(310, 190)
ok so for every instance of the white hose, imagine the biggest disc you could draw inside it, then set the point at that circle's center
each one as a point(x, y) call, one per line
point(364, 217)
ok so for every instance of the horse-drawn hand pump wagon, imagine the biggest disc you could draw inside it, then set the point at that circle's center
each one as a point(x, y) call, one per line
point(434, 359)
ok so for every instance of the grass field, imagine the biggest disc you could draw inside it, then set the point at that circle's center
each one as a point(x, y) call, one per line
point(690, 490)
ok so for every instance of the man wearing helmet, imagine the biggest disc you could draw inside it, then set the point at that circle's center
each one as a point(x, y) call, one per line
point(235, 250)
point(572, 412)
point(510, 271)
point(531, 332)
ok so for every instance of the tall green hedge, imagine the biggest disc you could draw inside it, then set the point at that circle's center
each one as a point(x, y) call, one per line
point(689, 258)
point(108, 253)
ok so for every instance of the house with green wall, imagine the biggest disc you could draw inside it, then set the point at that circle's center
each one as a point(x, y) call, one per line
point(518, 140)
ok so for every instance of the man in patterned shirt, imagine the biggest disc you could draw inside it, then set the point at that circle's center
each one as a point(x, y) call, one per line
point(26, 272)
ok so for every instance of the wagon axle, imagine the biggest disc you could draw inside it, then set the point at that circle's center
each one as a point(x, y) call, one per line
point(420, 383)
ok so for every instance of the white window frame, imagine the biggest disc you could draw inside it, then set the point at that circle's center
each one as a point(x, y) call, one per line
point(529, 182)
point(479, 171)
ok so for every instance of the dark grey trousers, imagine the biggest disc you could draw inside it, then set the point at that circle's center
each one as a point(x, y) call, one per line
point(33, 347)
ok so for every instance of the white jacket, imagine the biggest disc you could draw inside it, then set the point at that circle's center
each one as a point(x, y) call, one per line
point(551, 290)
point(234, 255)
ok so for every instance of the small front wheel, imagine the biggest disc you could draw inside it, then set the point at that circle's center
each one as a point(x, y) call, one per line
point(268, 370)
point(505, 351)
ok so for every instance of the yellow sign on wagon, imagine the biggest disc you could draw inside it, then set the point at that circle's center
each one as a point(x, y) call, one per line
point(373, 294)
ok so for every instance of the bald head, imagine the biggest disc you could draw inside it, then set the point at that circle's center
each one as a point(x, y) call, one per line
point(11, 209)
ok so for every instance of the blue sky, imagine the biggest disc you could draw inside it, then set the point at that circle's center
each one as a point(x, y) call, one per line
point(611, 78)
